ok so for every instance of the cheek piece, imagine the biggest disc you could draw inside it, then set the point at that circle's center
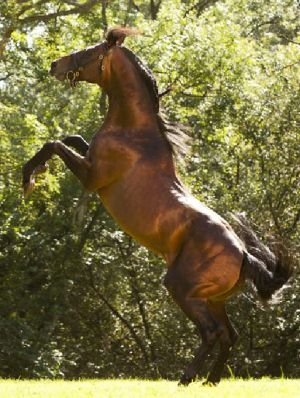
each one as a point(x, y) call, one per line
point(77, 65)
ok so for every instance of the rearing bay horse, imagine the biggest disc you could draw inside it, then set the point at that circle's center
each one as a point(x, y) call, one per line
point(129, 163)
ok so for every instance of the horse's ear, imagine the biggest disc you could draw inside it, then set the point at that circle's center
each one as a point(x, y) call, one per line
point(117, 36)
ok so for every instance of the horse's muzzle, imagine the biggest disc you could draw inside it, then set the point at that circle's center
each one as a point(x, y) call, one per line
point(53, 68)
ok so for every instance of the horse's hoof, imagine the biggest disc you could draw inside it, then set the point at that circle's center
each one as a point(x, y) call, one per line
point(28, 187)
point(184, 381)
point(41, 168)
point(210, 383)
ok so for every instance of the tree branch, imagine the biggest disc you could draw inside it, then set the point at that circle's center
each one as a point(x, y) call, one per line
point(6, 36)
point(6, 77)
point(133, 278)
point(201, 6)
point(154, 8)
point(294, 223)
point(31, 6)
point(118, 315)
point(81, 8)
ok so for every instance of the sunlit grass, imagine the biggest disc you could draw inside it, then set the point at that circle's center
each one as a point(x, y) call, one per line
point(279, 388)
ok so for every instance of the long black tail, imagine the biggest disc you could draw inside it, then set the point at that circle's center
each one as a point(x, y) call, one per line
point(268, 272)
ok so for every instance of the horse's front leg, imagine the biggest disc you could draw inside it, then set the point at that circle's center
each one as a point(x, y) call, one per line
point(76, 142)
point(78, 164)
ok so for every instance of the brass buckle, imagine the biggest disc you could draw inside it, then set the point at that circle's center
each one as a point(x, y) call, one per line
point(71, 77)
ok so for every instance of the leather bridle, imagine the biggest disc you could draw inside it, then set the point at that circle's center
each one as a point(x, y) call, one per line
point(77, 65)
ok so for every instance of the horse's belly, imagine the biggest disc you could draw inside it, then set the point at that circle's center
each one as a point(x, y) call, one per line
point(136, 216)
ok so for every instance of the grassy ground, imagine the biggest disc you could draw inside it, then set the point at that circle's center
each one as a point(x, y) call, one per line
point(264, 388)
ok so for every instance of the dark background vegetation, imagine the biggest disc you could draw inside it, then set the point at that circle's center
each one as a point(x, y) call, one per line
point(78, 298)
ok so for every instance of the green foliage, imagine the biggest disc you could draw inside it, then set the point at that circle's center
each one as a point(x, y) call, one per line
point(78, 297)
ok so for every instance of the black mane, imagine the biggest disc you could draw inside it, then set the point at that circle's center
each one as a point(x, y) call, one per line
point(174, 133)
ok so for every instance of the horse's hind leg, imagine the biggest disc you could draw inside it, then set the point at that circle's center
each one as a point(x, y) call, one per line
point(227, 340)
point(210, 332)
point(197, 309)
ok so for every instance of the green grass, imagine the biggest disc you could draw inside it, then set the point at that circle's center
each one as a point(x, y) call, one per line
point(264, 388)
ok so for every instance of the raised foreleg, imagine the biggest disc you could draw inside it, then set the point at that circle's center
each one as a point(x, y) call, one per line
point(78, 164)
point(76, 142)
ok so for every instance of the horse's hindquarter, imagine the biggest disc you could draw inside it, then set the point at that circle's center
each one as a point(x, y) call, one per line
point(210, 260)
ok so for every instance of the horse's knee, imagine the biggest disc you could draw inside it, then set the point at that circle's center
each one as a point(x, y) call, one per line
point(211, 331)
point(52, 146)
point(47, 147)
point(225, 340)
point(77, 142)
point(228, 338)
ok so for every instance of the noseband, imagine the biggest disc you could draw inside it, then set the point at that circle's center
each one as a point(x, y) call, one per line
point(73, 74)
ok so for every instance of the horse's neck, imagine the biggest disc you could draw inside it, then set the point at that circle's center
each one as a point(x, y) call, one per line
point(129, 103)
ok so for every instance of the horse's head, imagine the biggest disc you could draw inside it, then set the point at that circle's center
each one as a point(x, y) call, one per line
point(88, 64)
